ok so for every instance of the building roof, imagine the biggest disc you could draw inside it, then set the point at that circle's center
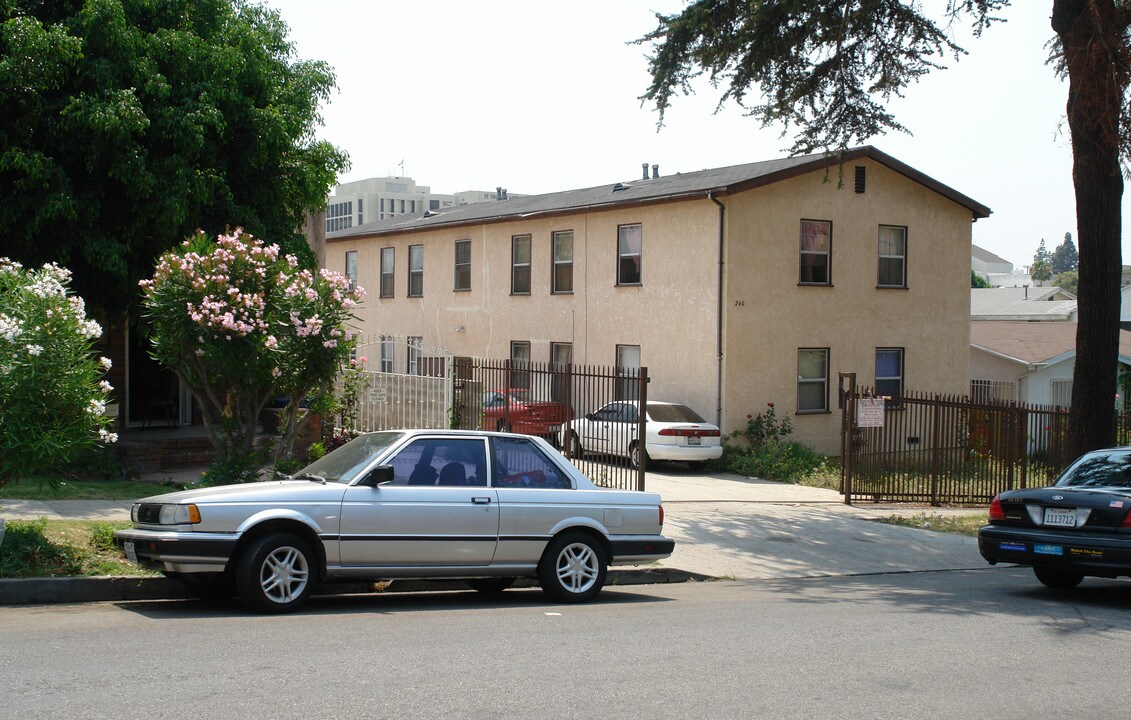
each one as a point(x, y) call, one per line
point(1034, 342)
point(988, 257)
point(718, 181)
point(1019, 303)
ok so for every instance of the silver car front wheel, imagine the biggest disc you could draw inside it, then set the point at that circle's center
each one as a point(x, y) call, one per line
point(275, 574)
point(573, 568)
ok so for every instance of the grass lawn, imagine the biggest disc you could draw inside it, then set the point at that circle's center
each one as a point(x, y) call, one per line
point(63, 548)
point(961, 524)
point(43, 489)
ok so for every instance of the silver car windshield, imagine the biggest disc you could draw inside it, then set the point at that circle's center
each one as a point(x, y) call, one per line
point(1100, 469)
point(343, 465)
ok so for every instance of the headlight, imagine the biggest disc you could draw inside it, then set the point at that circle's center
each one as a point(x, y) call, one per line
point(179, 515)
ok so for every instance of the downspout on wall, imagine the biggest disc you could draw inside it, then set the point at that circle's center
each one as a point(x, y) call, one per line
point(719, 314)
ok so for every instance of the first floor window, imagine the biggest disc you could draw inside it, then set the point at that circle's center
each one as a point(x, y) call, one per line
point(628, 372)
point(893, 257)
point(563, 262)
point(889, 372)
point(812, 380)
point(388, 344)
point(520, 365)
point(520, 265)
point(416, 271)
point(816, 251)
point(463, 265)
point(388, 255)
point(561, 355)
point(415, 345)
point(351, 268)
point(629, 254)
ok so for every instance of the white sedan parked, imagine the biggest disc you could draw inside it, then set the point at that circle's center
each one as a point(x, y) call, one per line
point(674, 432)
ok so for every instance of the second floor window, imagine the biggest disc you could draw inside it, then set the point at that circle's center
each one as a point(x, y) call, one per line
point(893, 257)
point(816, 252)
point(416, 271)
point(563, 262)
point(351, 268)
point(520, 265)
point(629, 254)
point(463, 265)
point(387, 258)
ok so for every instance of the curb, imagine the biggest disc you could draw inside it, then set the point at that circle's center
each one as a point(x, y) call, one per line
point(34, 591)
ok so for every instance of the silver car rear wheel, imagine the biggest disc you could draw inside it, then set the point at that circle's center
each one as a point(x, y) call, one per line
point(573, 568)
point(274, 575)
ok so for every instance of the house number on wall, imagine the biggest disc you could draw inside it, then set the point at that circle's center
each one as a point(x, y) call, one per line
point(739, 303)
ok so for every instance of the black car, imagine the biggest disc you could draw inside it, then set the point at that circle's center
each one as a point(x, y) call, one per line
point(1079, 526)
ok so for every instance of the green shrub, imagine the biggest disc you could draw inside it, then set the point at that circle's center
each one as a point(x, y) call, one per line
point(26, 552)
point(783, 460)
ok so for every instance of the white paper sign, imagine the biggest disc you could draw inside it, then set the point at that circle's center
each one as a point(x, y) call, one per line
point(870, 412)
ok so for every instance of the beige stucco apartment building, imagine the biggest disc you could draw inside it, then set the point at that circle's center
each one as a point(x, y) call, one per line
point(735, 287)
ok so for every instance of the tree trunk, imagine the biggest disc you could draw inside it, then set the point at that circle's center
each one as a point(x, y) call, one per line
point(1094, 51)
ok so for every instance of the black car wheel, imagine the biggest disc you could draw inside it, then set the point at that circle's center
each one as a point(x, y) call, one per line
point(503, 426)
point(490, 586)
point(573, 568)
point(1057, 578)
point(634, 453)
point(575, 450)
point(276, 573)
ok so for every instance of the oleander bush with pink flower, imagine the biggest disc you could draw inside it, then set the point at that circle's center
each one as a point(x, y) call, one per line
point(242, 324)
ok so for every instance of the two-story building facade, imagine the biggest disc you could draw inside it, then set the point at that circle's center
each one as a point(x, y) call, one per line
point(735, 287)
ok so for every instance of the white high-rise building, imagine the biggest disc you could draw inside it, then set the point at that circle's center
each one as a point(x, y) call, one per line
point(365, 201)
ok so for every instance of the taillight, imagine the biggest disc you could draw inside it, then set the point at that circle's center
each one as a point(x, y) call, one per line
point(1126, 520)
point(996, 513)
point(688, 432)
point(662, 515)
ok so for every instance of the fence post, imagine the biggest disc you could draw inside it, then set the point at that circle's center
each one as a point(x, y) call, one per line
point(936, 421)
point(847, 425)
point(642, 427)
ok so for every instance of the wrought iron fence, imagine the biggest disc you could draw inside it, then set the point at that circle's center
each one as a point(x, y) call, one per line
point(940, 449)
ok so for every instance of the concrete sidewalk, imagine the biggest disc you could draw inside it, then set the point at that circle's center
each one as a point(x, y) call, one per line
point(725, 526)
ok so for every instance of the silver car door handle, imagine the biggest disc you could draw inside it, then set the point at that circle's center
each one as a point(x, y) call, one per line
point(480, 500)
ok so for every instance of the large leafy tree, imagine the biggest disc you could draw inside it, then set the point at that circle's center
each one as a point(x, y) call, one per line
point(1065, 257)
point(826, 69)
point(125, 125)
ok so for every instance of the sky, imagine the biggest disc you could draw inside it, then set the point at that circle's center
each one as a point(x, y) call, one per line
point(540, 96)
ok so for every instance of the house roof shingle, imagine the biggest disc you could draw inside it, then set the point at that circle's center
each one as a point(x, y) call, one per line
point(1033, 342)
point(1018, 303)
point(719, 181)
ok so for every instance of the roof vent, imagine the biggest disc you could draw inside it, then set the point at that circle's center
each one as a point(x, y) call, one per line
point(619, 187)
point(645, 166)
point(860, 178)
point(655, 171)
point(429, 213)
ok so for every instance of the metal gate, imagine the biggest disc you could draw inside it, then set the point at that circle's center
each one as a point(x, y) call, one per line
point(409, 387)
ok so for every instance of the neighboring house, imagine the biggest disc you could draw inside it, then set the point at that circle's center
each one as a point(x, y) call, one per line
point(735, 287)
point(985, 263)
point(1022, 303)
point(1028, 362)
point(1125, 307)
point(361, 201)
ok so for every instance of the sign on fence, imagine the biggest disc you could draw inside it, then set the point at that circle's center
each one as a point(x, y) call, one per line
point(870, 412)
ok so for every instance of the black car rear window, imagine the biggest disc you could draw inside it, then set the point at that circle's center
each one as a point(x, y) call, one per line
point(1101, 469)
point(673, 413)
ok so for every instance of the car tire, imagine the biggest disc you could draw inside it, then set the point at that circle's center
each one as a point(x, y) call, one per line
point(1056, 578)
point(573, 568)
point(576, 452)
point(276, 573)
point(491, 587)
point(634, 452)
point(502, 426)
point(697, 465)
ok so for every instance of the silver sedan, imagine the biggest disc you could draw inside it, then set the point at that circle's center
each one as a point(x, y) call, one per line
point(484, 507)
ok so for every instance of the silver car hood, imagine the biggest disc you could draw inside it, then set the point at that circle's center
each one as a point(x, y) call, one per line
point(274, 491)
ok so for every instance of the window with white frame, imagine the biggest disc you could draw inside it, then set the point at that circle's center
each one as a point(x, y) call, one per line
point(629, 254)
point(812, 380)
point(892, 257)
point(816, 252)
point(563, 262)
point(628, 372)
point(415, 345)
point(561, 355)
point(520, 265)
point(388, 257)
point(351, 268)
point(416, 271)
point(1061, 392)
point(388, 347)
point(463, 265)
point(889, 372)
